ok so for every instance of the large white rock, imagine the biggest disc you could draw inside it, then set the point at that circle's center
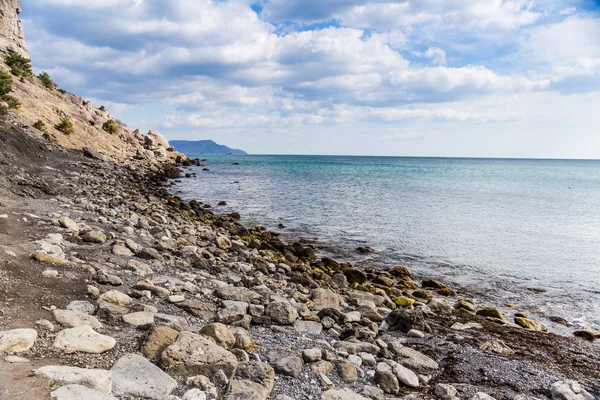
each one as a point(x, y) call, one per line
point(139, 318)
point(406, 376)
point(97, 379)
point(73, 319)
point(17, 340)
point(135, 376)
point(78, 392)
point(569, 390)
point(155, 139)
point(84, 339)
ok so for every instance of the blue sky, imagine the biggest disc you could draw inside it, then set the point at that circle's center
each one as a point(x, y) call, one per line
point(488, 78)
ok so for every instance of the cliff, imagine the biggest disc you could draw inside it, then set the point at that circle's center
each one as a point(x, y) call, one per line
point(45, 106)
point(11, 30)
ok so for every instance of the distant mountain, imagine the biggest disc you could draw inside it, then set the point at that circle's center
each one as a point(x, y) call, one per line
point(203, 147)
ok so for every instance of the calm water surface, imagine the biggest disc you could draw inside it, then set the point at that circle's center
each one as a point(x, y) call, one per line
point(499, 228)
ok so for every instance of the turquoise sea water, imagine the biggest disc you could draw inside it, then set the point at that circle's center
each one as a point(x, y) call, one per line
point(496, 227)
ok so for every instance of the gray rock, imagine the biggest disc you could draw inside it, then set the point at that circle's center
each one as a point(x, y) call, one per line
point(406, 376)
point(135, 376)
point(17, 340)
point(569, 390)
point(194, 394)
point(138, 267)
point(194, 354)
point(312, 355)
point(234, 311)
point(78, 392)
point(282, 313)
point(286, 362)
point(82, 306)
point(445, 392)
point(244, 389)
point(94, 237)
point(482, 396)
point(97, 379)
point(308, 327)
point(257, 372)
point(68, 223)
point(411, 358)
point(372, 392)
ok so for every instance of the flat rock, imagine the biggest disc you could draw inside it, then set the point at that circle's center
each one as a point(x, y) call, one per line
point(78, 392)
point(94, 237)
point(68, 223)
point(411, 358)
point(82, 306)
point(193, 354)
point(139, 318)
point(73, 319)
point(47, 258)
point(83, 339)
point(201, 309)
point(97, 379)
point(17, 340)
point(134, 376)
point(117, 298)
point(308, 327)
point(139, 267)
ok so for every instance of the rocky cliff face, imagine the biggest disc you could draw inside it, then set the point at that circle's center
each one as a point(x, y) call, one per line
point(11, 30)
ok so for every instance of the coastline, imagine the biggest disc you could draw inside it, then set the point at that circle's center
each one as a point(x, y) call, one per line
point(310, 326)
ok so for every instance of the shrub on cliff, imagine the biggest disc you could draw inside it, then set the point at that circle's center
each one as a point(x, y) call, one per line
point(39, 125)
point(19, 65)
point(11, 102)
point(6, 82)
point(46, 80)
point(110, 126)
point(65, 126)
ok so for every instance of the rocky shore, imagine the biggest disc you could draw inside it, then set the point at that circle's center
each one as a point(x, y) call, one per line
point(110, 287)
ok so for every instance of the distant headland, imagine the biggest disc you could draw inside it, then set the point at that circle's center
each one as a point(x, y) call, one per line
point(203, 147)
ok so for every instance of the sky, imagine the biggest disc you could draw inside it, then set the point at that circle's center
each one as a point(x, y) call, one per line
point(473, 78)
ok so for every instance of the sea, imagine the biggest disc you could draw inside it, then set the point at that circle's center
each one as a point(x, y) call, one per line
point(520, 234)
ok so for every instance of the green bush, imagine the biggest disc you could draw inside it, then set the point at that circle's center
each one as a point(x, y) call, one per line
point(63, 91)
point(39, 125)
point(110, 126)
point(6, 82)
point(19, 65)
point(12, 102)
point(65, 126)
point(46, 80)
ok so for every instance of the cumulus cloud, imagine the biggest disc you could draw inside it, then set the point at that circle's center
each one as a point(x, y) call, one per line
point(222, 66)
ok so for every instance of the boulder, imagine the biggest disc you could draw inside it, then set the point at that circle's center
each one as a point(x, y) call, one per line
point(97, 379)
point(446, 392)
point(244, 389)
point(257, 372)
point(405, 319)
point(220, 334)
point(17, 340)
point(531, 324)
point(282, 313)
point(134, 376)
point(68, 223)
point(94, 237)
point(286, 362)
point(159, 338)
point(325, 298)
point(83, 339)
point(406, 376)
point(490, 313)
point(411, 358)
point(569, 390)
point(194, 354)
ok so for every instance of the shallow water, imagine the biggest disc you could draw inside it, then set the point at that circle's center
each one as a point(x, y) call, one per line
point(497, 227)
